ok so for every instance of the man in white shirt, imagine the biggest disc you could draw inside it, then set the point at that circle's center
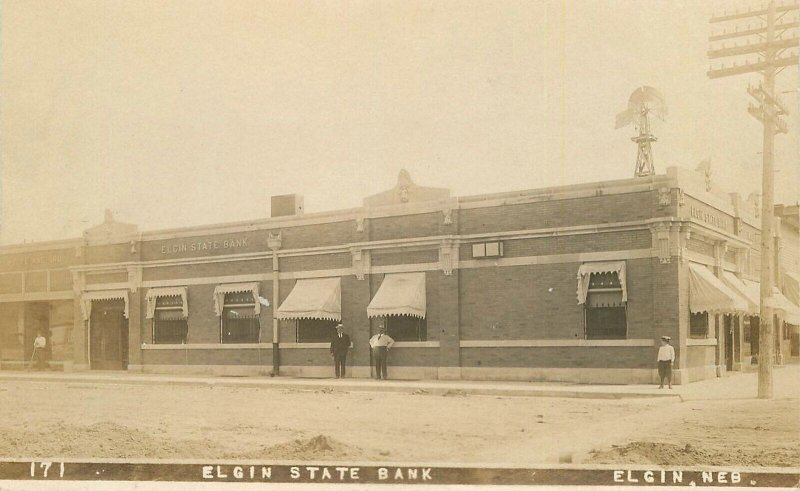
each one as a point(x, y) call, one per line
point(39, 345)
point(665, 358)
point(380, 344)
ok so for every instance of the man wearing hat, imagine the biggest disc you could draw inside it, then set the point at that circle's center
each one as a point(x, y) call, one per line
point(666, 356)
point(340, 345)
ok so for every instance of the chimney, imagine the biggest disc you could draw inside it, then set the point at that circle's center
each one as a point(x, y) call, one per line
point(286, 205)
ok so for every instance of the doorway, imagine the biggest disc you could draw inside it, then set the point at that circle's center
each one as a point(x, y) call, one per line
point(108, 335)
point(728, 326)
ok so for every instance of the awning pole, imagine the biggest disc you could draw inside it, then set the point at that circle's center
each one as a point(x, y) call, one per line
point(276, 355)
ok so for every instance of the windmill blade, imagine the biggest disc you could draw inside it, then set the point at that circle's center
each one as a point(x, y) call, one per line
point(649, 98)
point(623, 119)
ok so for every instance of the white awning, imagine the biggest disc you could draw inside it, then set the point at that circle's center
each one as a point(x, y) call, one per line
point(585, 272)
point(88, 297)
point(791, 287)
point(748, 292)
point(154, 293)
point(786, 309)
point(399, 294)
point(319, 298)
point(221, 290)
point(707, 293)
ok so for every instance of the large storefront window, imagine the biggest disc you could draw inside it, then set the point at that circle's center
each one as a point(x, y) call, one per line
point(240, 322)
point(406, 328)
point(315, 330)
point(698, 325)
point(606, 315)
point(169, 325)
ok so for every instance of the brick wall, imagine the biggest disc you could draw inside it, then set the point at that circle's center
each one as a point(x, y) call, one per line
point(702, 247)
point(205, 270)
point(570, 244)
point(567, 357)
point(316, 262)
point(517, 303)
point(418, 225)
point(320, 235)
point(104, 254)
point(562, 212)
point(262, 357)
point(405, 257)
point(100, 278)
point(204, 326)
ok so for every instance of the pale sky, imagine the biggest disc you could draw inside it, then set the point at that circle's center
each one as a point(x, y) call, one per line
point(176, 113)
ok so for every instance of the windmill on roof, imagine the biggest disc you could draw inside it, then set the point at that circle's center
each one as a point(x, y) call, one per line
point(643, 102)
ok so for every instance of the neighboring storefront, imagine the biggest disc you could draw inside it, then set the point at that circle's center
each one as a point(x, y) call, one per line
point(574, 283)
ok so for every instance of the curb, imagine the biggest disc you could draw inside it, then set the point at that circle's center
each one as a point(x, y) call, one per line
point(459, 390)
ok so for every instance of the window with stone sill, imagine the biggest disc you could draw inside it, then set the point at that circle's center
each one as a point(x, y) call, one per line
point(605, 313)
point(315, 330)
point(169, 325)
point(240, 323)
point(406, 328)
point(698, 325)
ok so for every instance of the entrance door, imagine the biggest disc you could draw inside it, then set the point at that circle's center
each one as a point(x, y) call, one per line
point(729, 326)
point(108, 335)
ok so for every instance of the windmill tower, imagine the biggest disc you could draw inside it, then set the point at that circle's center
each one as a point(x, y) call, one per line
point(643, 102)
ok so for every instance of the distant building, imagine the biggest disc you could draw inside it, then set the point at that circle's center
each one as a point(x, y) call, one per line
point(573, 283)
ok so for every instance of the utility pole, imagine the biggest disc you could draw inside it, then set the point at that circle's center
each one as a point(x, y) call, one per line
point(769, 40)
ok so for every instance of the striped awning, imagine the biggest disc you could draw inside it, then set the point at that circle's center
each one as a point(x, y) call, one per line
point(707, 293)
point(791, 287)
point(586, 270)
point(749, 292)
point(318, 298)
point(785, 307)
point(88, 297)
point(400, 294)
point(154, 293)
point(221, 290)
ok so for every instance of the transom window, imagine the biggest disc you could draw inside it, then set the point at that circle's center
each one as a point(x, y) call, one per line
point(240, 323)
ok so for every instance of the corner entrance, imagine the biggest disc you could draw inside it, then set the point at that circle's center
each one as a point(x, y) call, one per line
point(108, 335)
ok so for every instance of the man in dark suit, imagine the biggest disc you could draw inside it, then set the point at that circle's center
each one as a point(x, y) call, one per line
point(340, 345)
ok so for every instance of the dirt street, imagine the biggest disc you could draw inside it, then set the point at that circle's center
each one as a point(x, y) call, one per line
point(719, 423)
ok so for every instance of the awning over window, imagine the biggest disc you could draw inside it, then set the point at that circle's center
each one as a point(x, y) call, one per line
point(707, 293)
point(221, 290)
point(319, 298)
point(399, 294)
point(586, 270)
point(154, 293)
point(88, 297)
point(786, 309)
point(791, 287)
point(749, 292)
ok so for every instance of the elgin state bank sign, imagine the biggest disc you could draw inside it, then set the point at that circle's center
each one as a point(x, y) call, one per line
point(205, 245)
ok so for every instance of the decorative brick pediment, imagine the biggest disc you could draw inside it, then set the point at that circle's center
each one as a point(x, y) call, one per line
point(405, 191)
point(111, 231)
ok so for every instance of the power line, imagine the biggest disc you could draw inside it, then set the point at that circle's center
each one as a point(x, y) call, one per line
point(769, 40)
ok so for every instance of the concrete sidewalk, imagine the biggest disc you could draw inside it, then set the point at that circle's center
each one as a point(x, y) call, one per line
point(435, 387)
point(735, 385)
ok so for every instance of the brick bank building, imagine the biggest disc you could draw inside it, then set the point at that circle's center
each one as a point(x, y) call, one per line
point(574, 283)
